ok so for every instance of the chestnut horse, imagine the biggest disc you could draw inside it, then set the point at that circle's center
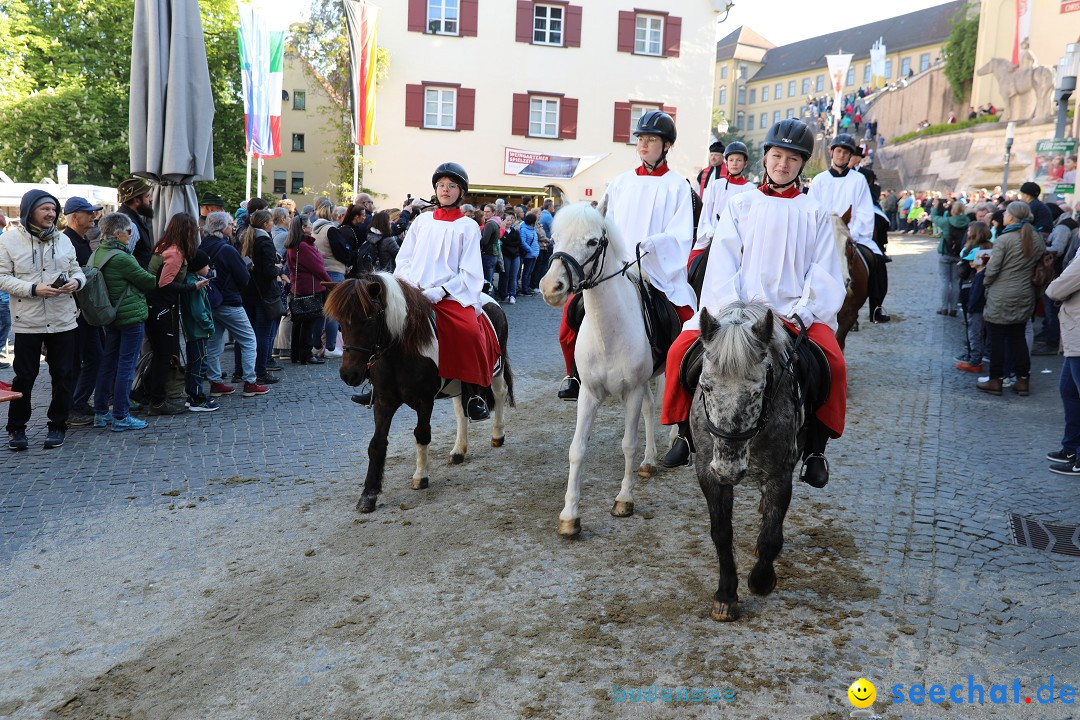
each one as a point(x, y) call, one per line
point(857, 278)
point(390, 340)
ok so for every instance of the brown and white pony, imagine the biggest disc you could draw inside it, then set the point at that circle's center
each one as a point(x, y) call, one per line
point(390, 340)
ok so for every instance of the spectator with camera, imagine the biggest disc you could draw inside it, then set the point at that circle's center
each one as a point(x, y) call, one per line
point(40, 270)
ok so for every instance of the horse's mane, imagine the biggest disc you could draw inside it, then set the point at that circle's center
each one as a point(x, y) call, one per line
point(406, 311)
point(583, 220)
point(735, 347)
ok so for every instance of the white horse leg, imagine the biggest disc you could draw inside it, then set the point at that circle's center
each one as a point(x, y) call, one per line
point(570, 518)
point(420, 477)
point(648, 465)
point(461, 443)
point(624, 501)
point(498, 388)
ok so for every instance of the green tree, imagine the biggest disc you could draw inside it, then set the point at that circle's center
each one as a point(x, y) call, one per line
point(66, 67)
point(960, 53)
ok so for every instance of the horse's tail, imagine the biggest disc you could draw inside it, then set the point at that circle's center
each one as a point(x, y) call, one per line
point(508, 378)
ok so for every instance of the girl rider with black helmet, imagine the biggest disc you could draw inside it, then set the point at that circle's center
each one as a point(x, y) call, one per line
point(441, 256)
point(774, 246)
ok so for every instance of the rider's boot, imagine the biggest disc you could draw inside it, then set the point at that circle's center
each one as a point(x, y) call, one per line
point(472, 399)
point(879, 315)
point(682, 448)
point(364, 396)
point(571, 386)
point(815, 469)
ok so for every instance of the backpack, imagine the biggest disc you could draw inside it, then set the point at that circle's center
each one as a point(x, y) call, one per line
point(93, 296)
point(954, 242)
point(367, 258)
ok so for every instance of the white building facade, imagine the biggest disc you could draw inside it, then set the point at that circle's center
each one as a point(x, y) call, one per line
point(536, 97)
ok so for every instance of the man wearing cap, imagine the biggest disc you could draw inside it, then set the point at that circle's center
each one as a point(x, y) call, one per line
point(79, 218)
point(40, 271)
point(1040, 213)
point(134, 198)
point(208, 204)
point(715, 169)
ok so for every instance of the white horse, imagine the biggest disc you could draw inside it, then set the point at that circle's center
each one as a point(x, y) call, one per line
point(613, 354)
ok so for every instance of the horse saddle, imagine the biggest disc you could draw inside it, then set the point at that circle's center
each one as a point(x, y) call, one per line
point(662, 323)
point(811, 368)
point(696, 274)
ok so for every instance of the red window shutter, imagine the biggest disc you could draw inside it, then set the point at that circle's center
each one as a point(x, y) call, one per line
point(626, 31)
point(672, 36)
point(470, 13)
point(568, 118)
point(670, 111)
point(525, 21)
point(572, 36)
point(622, 123)
point(466, 108)
point(414, 106)
point(417, 15)
point(519, 122)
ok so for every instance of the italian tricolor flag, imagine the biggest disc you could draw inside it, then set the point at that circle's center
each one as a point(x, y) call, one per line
point(262, 59)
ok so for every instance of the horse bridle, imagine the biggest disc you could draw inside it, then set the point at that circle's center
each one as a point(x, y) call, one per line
point(763, 414)
point(372, 353)
point(596, 276)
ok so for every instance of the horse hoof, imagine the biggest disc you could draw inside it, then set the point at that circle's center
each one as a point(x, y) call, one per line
point(570, 528)
point(366, 503)
point(725, 612)
point(622, 509)
point(647, 471)
point(762, 581)
point(498, 442)
point(419, 483)
point(457, 458)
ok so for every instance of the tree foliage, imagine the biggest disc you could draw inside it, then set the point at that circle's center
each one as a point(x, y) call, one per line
point(960, 53)
point(65, 66)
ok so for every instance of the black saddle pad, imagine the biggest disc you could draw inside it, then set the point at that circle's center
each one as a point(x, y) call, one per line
point(662, 323)
point(811, 371)
point(696, 274)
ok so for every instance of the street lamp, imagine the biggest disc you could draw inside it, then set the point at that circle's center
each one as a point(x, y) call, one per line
point(723, 125)
point(1065, 84)
point(1010, 133)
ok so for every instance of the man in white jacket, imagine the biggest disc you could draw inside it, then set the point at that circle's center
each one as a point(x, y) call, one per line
point(840, 189)
point(39, 269)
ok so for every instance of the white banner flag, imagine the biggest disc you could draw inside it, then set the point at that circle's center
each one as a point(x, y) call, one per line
point(838, 67)
point(877, 58)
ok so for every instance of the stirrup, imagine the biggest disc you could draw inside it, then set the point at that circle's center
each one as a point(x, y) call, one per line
point(365, 397)
point(679, 455)
point(819, 477)
point(570, 388)
point(476, 409)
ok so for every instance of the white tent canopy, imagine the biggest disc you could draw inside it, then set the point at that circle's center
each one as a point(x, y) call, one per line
point(11, 194)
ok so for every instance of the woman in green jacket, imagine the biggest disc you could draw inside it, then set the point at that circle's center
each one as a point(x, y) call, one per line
point(128, 284)
point(952, 226)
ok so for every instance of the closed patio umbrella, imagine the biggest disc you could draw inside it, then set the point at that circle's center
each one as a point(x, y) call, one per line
point(171, 107)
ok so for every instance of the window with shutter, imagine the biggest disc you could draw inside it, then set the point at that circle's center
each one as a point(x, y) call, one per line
point(543, 117)
point(648, 34)
point(548, 24)
point(440, 108)
point(443, 16)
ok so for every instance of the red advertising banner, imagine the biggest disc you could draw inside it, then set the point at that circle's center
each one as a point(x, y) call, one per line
point(1068, 6)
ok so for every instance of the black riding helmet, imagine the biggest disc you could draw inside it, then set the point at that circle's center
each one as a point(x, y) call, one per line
point(456, 173)
point(845, 141)
point(656, 122)
point(791, 134)
point(737, 148)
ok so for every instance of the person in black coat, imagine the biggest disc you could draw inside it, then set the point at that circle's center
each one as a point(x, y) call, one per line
point(264, 289)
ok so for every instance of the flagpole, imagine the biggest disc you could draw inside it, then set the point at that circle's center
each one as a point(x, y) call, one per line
point(356, 170)
point(258, 178)
point(247, 177)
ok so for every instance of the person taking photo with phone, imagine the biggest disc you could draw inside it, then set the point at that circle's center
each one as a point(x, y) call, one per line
point(40, 271)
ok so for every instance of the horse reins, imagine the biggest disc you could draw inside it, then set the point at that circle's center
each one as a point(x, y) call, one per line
point(595, 277)
point(374, 353)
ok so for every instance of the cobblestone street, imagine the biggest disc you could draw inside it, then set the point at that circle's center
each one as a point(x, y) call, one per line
point(213, 565)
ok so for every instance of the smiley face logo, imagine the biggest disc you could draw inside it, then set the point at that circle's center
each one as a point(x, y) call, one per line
point(862, 693)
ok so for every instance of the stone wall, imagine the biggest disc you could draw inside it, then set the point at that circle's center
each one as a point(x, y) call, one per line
point(927, 97)
point(972, 158)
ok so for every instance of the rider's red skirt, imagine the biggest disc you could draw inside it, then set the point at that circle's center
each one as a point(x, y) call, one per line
point(676, 407)
point(468, 347)
point(693, 254)
point(568, 336)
